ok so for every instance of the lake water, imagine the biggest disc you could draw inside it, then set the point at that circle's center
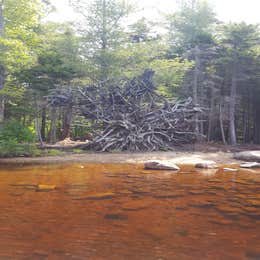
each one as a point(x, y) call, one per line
point(108, 211)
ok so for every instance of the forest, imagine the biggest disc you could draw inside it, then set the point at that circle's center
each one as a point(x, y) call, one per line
point(124, 83)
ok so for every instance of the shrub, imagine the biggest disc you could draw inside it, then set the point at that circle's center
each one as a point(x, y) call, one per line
point(11, 148)
point(17, 140)
point(13, 130)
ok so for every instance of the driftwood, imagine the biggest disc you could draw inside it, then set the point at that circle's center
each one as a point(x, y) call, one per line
point(66, 144)
point(132, 116)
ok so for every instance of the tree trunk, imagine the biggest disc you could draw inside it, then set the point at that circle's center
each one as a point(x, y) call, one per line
point(104, 41)
point(67, 122)
point(211, 122)
point(37, 126)
point(257, 125)
point(2, 110)
point(221, 124)
point(246, 122)
point(232, 107)
point(43, 124)
point(195, 88)
point(53, 118)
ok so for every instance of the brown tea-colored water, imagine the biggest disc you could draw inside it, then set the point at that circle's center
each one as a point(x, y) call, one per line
point(123, 212)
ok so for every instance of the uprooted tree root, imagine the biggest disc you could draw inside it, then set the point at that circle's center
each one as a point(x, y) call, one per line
point(131, 115)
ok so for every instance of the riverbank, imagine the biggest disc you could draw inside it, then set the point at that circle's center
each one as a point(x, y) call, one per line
point(178, 157)
point(219, 153)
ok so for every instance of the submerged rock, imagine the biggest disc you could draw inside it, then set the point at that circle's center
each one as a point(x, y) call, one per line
point(161, 165)
point(116, 216)
point(251, 156)
point(44, 187)
point(252, 165)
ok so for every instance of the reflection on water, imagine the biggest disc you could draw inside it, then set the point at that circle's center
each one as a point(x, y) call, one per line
point(98, 211)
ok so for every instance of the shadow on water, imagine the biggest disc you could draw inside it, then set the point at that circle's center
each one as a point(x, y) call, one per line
point(120, 211)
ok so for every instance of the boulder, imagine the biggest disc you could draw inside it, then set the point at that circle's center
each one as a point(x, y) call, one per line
point(250, 156)
point(161, 165)
point(253, 165)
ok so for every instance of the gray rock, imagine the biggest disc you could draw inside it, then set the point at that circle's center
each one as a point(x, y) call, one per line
point(161, 165)
point(230, 170)
point(205, 165)
point(192, 160)
point(250, 156)
point(253, 165)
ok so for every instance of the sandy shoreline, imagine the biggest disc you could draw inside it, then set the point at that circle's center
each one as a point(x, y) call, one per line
point(219, 157)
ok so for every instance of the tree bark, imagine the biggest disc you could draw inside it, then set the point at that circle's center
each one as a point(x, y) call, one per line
point(43, 123)
point(232, 107)
point(211, 113)
point(67, 122)
point(104, 41)
point(195, 88)
point(37, 126)
point(53, 118)
point(257, 125)
point(221, 124)
point(2, 110)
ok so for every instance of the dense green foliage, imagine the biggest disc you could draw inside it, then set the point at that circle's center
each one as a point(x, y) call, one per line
point(17, 140)
point(14, 130)
point(194, 55)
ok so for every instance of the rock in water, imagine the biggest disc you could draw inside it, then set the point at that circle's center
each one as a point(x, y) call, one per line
point(161, 165)
point(253, 165)
point(206, 165)
point(230, 170)
point(116, 216)
point(251, 156)
point(45, 187)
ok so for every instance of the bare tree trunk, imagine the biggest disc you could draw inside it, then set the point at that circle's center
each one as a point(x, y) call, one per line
point(221, 124)
point(37, 126)
point(104, 41)
point(2, 110)
point(246, 121)
point(232, 107)
point(211, 113)
point(67, 122)
point(256, 137)
point(195, 88)
point(53, 117)
point(43, 124)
